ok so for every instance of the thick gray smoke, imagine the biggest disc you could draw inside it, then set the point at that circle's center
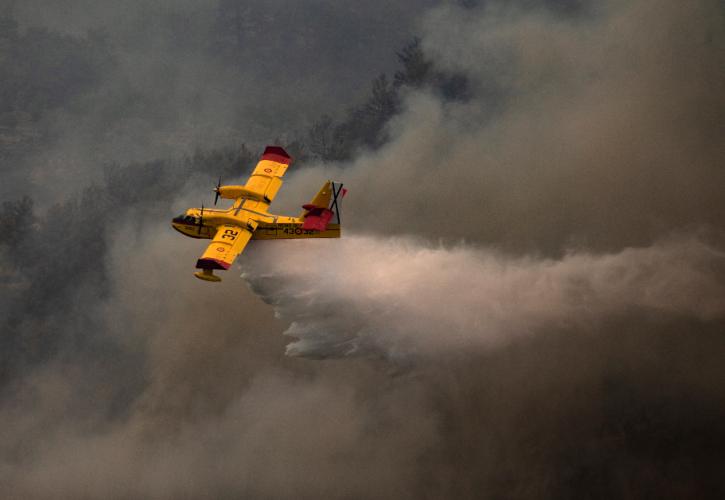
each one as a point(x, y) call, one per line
point(605, 141)
point(608, 131)
point(544, 259)
point(174, 76)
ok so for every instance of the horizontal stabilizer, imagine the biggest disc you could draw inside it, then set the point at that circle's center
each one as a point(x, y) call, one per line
point(317, 218)
point(319, 212)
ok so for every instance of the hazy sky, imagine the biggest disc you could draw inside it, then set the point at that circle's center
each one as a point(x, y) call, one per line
point(205, 74)
point(528, 300)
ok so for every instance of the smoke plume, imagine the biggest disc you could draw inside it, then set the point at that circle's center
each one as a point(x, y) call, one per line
point(401, 298)
point(527, 302)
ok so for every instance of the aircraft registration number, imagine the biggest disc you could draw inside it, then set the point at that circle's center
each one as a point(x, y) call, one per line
point(297, 230)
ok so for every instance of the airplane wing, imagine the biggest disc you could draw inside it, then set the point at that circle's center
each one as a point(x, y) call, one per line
point(229, 241)
point(266, 178)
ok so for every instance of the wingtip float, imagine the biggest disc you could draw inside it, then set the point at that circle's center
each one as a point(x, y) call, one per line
point(249, 219)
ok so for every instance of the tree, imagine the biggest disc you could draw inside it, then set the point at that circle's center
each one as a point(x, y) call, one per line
point(320, 138)
point(16, 219)
point(416, 70)
point(379, 108)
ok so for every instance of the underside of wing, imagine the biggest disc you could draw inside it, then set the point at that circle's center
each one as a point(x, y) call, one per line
point(229, 241)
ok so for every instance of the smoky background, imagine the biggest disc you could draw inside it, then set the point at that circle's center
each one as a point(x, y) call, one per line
point(527, 302)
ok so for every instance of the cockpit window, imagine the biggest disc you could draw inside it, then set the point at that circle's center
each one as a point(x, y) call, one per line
point(186, 219)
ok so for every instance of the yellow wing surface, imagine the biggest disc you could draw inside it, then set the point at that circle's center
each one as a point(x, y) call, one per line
point(266, 179)
point(254, 197)
point(229, 241)
point(249, 218)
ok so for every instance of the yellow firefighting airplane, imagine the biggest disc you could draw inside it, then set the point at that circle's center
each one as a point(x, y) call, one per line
point(230, 230)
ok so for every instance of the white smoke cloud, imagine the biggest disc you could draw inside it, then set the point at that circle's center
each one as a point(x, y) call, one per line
point(399, 297)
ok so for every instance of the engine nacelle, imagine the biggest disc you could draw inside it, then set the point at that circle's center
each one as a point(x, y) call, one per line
point(234, 192)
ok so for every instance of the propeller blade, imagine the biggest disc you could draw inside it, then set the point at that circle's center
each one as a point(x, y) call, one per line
point(218, 185)
point(201, 218)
